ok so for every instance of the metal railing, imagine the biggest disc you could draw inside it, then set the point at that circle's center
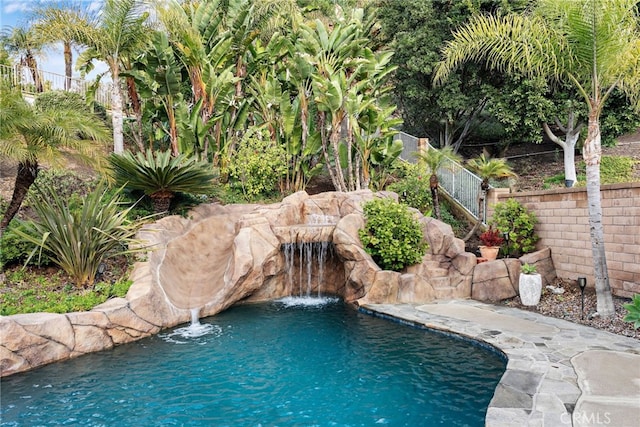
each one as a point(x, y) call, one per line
point(32, 81)
point(459, 183)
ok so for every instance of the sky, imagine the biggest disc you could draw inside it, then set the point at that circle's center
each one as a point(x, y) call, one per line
point(14, 13)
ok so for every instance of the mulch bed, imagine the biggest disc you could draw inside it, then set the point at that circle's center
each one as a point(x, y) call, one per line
point(567, 306)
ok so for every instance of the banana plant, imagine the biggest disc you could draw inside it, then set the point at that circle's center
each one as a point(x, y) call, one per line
point(158, 77)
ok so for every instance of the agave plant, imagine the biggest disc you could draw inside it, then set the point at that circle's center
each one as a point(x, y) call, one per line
point(79, 240)
point(161, 176)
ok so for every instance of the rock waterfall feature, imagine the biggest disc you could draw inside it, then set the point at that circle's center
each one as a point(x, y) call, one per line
point(222, 255)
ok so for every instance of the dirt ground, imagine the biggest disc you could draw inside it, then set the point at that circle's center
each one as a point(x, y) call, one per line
point(534, 163)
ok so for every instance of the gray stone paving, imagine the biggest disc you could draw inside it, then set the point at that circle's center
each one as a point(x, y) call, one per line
point(558, 373)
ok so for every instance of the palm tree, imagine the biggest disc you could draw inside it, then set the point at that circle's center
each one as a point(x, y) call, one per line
point(434, 159)
point(160, 175)
point(487, 168)
point(57, 25)
point(591, 44)
point(112, 36)
point(27, 45)
point(30, 134)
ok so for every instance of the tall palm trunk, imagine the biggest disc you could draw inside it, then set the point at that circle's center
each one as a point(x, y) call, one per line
point(31, 63)
point(433, 185)
point(27, 173)
point(592, 153)
point(136, 105)
point(116, 110)
point(68, 62)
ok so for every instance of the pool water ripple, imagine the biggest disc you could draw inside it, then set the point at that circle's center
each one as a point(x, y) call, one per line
point(276, 364)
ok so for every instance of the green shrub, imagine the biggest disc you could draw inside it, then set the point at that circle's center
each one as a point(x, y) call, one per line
point(633, 311)
point(616, 169)
point(79, 240)
point(392, 236)
point(60, 99)
point(613, 170)
point(413, 189)
point(457, 225)
point(16, 250)
point(68, 185)
point(513, 218)
point(27, 292)
point(258, 165)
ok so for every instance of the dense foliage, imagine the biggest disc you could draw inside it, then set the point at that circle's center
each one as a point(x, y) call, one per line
point(416, 30)
point(392, 235)
point(513, 218)
point(413, 188)
point(258, 167)
point(16, 250)
point(31, 292)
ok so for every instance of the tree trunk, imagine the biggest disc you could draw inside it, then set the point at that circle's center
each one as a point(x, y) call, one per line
point(173, 127)
point(592, 153)
point(116, 112)
point(569, 151)
point(572, 134)
point(161, 201)
point(27, 173)
point(137, 110)
point(433, 184)
point(31, 63)
point(68, 63)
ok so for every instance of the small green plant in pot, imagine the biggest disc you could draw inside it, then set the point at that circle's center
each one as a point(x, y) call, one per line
point(530, 285)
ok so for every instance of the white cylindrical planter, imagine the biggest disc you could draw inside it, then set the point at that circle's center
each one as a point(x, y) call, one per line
point(530, 288)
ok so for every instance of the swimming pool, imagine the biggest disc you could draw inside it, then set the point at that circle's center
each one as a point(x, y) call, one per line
point(283, 363)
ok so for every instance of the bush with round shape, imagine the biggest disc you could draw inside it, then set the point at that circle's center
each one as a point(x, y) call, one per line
point(413, 189)
point(392, 235)
point(512, 217)
point(258, 165)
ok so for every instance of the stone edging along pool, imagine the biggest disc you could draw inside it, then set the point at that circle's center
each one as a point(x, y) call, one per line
point(558, 373)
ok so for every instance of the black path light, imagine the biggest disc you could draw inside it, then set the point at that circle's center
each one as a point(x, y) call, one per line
point(507, 251)
point(582, 282)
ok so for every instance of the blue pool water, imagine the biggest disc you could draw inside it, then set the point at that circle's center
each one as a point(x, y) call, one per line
point(273, 364)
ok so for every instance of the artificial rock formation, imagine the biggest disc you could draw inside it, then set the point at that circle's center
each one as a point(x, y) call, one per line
point(221, 255)
point(498, 280)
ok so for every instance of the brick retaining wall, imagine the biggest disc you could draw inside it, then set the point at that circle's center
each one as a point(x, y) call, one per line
point(563, 226)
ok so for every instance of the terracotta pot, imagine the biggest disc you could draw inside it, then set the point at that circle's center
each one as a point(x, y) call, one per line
point(489, 252)
point(530, 288)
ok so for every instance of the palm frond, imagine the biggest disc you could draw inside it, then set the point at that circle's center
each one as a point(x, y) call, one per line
point(159, 172)
point(511, 43)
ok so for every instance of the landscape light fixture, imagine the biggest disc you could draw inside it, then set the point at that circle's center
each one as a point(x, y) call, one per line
point(582, 282)
point(507, 251)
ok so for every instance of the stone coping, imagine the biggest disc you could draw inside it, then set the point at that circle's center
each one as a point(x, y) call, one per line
point(558, 373)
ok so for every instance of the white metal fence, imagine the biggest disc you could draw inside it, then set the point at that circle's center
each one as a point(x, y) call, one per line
point(33, 81)
point(458, 182)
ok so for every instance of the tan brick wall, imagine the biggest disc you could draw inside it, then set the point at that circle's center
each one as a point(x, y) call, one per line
point(563, 226)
